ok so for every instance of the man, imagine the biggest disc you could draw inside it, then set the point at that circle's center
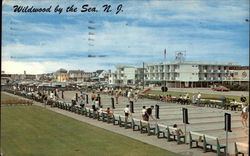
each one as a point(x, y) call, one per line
point(116, 97)
point(127, 112)
point(243, 99)
point(129, 95)
point(149, 113)
point(93, 96)
point(82, 101)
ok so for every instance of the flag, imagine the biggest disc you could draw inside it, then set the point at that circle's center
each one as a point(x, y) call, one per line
point(165, 53)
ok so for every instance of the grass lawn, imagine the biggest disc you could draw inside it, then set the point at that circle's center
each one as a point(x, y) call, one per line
point(35, 131)
point(7, 99)
point(156, 92)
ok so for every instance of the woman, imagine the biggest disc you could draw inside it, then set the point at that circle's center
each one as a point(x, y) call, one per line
point(143, 112)
point(244, 115)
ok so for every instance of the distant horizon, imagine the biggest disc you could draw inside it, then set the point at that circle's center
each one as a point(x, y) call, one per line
point(208, 31)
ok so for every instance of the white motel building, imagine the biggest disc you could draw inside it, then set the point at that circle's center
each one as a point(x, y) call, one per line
point(187, 74)
point(182, 74)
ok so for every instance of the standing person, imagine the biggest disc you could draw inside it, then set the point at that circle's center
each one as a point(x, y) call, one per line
point(143, 112)
point(126, 93)
point(116, 97)
point(73, 101)
point(136, 96)
point(51, 96)
point(45, 100)
point(244, 115)
point(93, 97)
point(198, 98)
point(149, 113)
point(129, 95)
point(96, 103)
point(127, 112)
point(132, 98)
point(112, 91)
point(193, 99)
point(82, 101)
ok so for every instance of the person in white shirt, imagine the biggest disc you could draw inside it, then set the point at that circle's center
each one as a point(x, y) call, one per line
point(129, 95)
point(198, 98)
point(127, 112)
point(51, 96)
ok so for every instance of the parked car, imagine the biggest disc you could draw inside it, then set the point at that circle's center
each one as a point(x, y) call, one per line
point(221, 88)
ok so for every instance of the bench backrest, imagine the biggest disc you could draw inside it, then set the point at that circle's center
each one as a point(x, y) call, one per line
point(115, 116)
point(161, 125)
point(191, 133)
point(241, 144)
point(196, 133)
point(205, 137)
point(143, 123)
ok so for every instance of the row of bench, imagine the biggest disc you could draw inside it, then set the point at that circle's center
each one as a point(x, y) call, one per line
point(135, 124)
point(162, 131)
point(208, 142)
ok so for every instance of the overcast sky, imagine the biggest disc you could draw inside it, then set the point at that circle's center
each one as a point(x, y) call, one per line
point(211, 31)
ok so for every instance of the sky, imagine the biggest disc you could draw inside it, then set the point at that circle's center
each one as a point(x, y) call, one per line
point(210, 31)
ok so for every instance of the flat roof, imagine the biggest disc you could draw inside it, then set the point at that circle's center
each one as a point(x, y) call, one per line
point(194, 63)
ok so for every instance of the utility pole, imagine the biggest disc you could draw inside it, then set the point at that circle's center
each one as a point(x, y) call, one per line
point(143, 75)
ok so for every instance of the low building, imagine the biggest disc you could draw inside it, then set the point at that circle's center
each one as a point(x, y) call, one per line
point(187, 74)
point(76, 75)
point(62, 75)
point(238, 75)
point(126, 74)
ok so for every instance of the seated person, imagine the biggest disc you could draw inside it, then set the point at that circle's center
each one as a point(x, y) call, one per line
point(177, 131)
point(100, 109)
point(108, 111)
point(161, 98)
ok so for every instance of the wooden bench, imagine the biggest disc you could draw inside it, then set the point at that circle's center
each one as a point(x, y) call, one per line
point(215, 142)
point(160, 131)
point(143, 126)
point(86, 112)
point(124, 123)
point(196, 140)
point(135, 126)
point(115, 119)
point(242, 152)
point(66, 106)
point(100, 116)
point(83, 111)
point(151, 129)
point(173, 136)
point(92, 114)
point(106, 118)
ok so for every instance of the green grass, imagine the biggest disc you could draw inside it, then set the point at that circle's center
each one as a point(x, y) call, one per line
point(35, 131)
point(237, 98)
point(7, 99)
